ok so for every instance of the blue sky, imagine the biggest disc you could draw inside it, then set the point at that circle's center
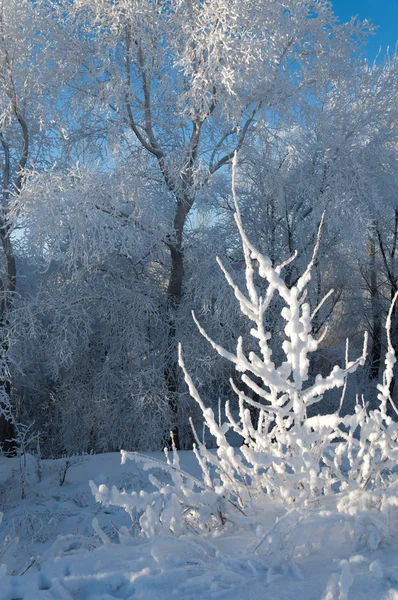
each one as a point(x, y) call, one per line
point(383, 13)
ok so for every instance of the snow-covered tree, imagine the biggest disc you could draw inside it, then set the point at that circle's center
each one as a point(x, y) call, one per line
point(91, 373)
point(25, 138)
point(153, 98)
point(187, 81)
point(286, 456)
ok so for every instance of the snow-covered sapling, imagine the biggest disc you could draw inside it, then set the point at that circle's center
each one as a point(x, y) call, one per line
point(286, 453)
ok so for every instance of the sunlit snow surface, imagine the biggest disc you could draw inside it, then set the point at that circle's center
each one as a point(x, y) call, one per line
point(60, 553)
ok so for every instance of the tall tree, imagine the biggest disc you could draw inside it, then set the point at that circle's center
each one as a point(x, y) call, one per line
point(188, 80)
point(24, 109)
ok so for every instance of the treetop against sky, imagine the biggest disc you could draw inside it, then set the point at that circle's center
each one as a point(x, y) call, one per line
point(382, 13)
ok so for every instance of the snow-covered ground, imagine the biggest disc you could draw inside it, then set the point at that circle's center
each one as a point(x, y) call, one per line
point(54, 549)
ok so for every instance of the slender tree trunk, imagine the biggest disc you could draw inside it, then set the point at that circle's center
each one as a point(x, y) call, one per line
point(375, 352)
point(272, 231)
point(7, 428)
point(174, 296)
point(290, 245)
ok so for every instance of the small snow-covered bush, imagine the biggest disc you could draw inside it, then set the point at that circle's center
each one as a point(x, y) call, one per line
point(284, 455)
point(183, 504)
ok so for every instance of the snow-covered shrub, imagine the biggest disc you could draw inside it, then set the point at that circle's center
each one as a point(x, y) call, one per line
point(184, 504)
point(284, 454)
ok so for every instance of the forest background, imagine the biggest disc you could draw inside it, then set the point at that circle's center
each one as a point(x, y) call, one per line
point(118, 124)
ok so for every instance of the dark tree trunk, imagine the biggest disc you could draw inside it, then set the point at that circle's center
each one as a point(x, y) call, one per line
point(7, 427)
point(174, 295)
point(375, 352)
